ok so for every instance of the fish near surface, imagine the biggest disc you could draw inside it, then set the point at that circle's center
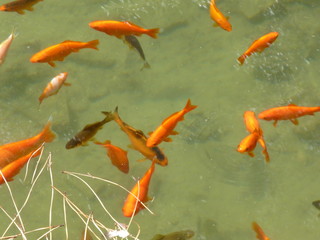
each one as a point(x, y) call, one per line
point(253, 126)
point(217, 16)
point(248, 144)
point(4, 47)
point(59, 51)
point(133, 42)
point(87, 133)
point(54, 86)
point(167, 126)
point(258, 230)
point(19, 6)
point(138, 141)
point(290, 112)
point(181, 235)
point(12, 151)
point(120, 29)
point(13, 168)
point(131, 205)
point(117, 156)
point(259, 45)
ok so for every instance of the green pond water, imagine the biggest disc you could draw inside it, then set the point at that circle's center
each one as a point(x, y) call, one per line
point(208, 186)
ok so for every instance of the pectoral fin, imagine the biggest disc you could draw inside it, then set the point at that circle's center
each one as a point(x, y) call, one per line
point(275, 123)
point(294, 121)
point(52, 64)
point(167, 139)
point(251, 154)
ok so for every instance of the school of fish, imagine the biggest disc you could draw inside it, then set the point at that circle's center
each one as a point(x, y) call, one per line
point(14, 156)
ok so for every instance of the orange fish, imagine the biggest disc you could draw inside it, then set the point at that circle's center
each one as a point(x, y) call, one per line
point(142, 188)
point(121, 29)
point(138, 140)
point(19, 6)
point(167, 126)
point(54, 86)
point(260, 234)
point(117, 156)
point(12, 169)
point(60, 51)
point(248, 144)
point(259, 45)
point(290, 112)
point(253, 126)
point(12, 151)
point(218, 17)
point(4, 47)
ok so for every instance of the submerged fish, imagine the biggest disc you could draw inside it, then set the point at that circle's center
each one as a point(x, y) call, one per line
point(138, 140)
point(4, 47)
point(134, 43)
point(248, 144)
point(181, 235)
point(19, 6)
point(87, 133)
point(120, 29)
point(59, 51)
point(259, 45)
point(290, 112)
point(218, 17)
point(12, 151)
point(260, 234)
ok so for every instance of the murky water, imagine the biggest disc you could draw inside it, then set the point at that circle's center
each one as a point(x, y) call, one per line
point(207, 187)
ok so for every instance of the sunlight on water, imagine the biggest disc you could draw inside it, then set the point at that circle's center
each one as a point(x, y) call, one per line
point(207, 187)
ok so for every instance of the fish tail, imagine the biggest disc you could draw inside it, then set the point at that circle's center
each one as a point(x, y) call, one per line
point(153, 32)
point(189, 106)
point(258, 230)
point(47, 134)
point(241, 59)
point(93, 44)
point(109, 116)
point(145, 65)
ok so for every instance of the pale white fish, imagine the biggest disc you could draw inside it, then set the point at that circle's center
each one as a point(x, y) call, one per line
point(5, 45)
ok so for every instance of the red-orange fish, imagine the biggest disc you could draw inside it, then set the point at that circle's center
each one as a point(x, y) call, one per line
point(142, 188)
point(167, 126)
point(19, 6)
point(290, 112)
point(54, 86)
point(117, 156)
point(218, 17)
point(253, 126)
point(259, 45)
point(121, 29)
point(12, 169)
point(12, 151)
point(260, 234)
point(248, 144)
point(60, 51)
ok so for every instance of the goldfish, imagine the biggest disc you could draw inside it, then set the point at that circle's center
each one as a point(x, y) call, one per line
point(138, 141)
point(19, 6)
point(117, 156)
point(218, 17)
point(4, 47)
point(260, 234)
point(134, 43)
point(87, 133)
point(259, 45)
point(13, 168)
point(167, 126)
point(248, 144)
point(54, 86)
point(253, 126)
point(181, 235)
point(290, 112)
point(120, 29)
point(59, 51)
point(12, 151)
point(131, 205)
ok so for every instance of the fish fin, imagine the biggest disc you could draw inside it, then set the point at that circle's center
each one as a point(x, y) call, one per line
point(241, 59)
point(167, 139)
point(292, 105)
point(93, 44)
point(266, 155)
point(30, 8)
point(251, 154)
point(142, 159)
point(20, 11)
point(153, 32)
point(47, 134)
point(215, 25)
point(109, 116)
point(275, 123)
point(130, 146)
point(258, 230)
point(294, 121)
point(145, 65)
point(189, 106)
point(66, 84)
point(52, 64)
point(174, 132)
point(102, 143)
point(150, 133)
point(158, 237)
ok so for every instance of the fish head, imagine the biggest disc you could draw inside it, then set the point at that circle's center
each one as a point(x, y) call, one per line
point(73, 142)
